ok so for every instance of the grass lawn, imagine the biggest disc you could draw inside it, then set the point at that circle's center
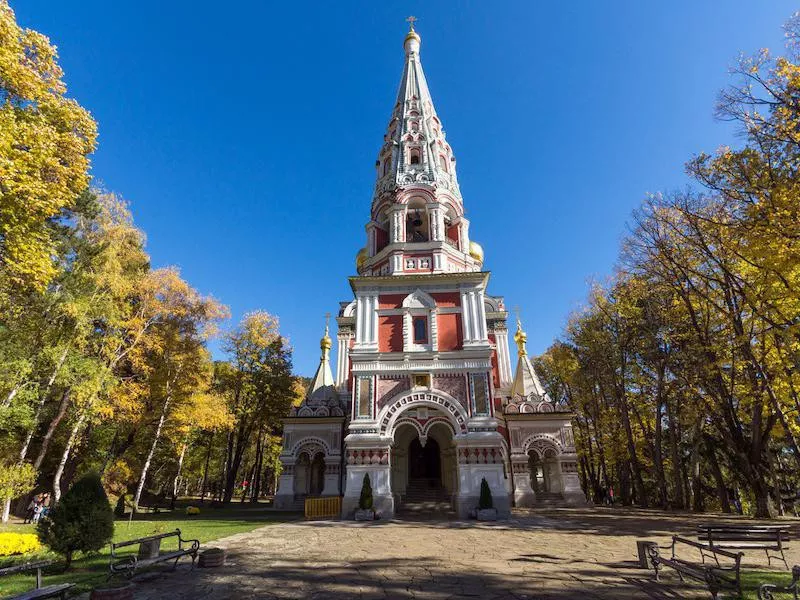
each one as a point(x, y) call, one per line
point(90, 571)
point(752, 579)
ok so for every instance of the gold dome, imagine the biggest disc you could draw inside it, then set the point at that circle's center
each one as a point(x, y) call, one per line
point(361, 258)
point(476, 251)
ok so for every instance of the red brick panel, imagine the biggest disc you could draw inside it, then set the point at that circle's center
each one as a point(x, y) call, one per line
point(450, 335)
point(447, 300)
point(390, 333)
point(390, 300)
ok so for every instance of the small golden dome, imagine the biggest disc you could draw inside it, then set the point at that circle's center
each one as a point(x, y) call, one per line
point(361, 258)
point(325, 343)
point(476, 251)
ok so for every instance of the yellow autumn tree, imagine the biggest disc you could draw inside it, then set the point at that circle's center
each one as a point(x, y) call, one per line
point(45, 141)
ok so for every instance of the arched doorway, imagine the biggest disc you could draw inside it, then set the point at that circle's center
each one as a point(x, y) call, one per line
point(424, 462)
point(543, 468)
point(317, 478)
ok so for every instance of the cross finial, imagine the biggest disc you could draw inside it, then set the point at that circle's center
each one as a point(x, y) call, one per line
point(327, 321)
point(516, 311)
point(411, 20)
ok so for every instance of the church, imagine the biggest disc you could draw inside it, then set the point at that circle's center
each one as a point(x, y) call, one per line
point(424, 399)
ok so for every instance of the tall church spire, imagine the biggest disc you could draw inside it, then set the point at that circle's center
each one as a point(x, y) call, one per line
point(417, 223)
point(415, 149)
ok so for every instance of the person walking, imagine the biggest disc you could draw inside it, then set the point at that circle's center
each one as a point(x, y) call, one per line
point(29, 512)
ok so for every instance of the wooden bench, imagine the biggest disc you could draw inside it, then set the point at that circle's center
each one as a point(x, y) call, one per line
point(716, 577)
point(150, 553)
point(765, 590)
point(769, 538)
point(58, 590)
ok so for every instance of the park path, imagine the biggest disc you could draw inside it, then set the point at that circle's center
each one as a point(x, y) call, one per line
point(548, 555)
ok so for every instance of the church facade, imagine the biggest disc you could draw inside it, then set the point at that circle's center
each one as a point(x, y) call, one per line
point(424, 399)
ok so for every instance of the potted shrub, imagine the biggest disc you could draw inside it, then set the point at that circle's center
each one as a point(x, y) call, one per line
point(365, 511)
point(486, 510)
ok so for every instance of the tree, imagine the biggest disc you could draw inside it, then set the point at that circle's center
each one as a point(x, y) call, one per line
point(365, 501)
point(15, 480)
point(485, 501)
point(82, 521)
point(45, 140)
point(173, 354)
point(258, 385)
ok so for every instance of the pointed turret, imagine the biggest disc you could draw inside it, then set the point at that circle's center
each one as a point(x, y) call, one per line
point(526, 383)
point(417, 219)
point(415, 149)
point(321, 397)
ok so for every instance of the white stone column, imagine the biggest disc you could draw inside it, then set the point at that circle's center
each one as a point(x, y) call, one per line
point(332, 476)
point(436, 221)
point(342, 357)
point(503, 356)
point(397, 232)
point(466, 316)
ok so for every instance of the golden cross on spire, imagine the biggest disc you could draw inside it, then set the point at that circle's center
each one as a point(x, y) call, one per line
point(327, 321)
point(411, 20)
point(520, 337)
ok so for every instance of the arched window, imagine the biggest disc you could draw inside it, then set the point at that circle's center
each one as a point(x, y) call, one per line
point(443, 163)
point(420, 326)
point(414, 156)
point(386, 162)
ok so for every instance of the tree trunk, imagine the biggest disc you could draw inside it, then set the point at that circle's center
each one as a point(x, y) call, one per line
point(51, 429)
point(205, 468)
point(73, 436)
point(42, 399)
point(151, 452)
point(716, 472)
point(677, 477)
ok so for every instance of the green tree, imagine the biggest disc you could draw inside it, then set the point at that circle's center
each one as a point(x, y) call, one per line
point(82, 521)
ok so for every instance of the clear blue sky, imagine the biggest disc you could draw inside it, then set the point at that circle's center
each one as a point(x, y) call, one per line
point(244, 134)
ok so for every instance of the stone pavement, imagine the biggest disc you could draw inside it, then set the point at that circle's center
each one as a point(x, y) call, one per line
point(552, 555)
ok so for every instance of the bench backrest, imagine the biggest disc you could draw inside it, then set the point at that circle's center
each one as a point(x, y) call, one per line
point(743, 534)
point(29, 566)
point(148, 538)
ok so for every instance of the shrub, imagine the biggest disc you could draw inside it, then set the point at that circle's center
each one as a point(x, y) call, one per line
point(18, 543)
point(192, 510)
point(365, 501)
point(82, 521)
point(485, 501)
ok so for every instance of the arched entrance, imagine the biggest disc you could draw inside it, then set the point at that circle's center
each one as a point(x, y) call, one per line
point(424, 462)
point(309, 475)
point(544, 470)
point(424, 467)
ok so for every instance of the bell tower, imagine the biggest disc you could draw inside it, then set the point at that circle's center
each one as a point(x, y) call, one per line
point(417, 222)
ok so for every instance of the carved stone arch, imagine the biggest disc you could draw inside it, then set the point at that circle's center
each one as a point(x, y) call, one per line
point(312, 446)
point(395, 408)
point(431, 423)
point(349, 310)
point(413, 423)
point(542, 443)
point(419, 299)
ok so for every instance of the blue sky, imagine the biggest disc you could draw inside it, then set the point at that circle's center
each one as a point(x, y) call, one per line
point(244, 134)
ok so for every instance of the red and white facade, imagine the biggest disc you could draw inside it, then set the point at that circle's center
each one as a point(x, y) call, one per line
point(422, 349)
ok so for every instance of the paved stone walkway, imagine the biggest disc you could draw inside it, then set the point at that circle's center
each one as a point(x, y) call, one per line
point(552, 555)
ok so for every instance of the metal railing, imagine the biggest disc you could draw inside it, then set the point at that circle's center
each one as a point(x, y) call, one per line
point(323, 508)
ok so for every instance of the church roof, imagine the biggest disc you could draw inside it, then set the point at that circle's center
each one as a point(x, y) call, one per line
point(321, 398)
point(415, 150)
point(526, 382)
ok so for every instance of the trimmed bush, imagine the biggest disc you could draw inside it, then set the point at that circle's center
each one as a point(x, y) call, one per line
point(485, 500)
point(365, 500)
point(82, 521)
point(18, 543)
